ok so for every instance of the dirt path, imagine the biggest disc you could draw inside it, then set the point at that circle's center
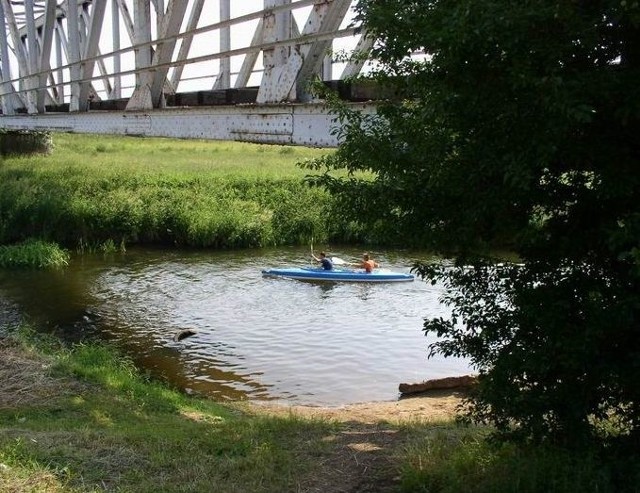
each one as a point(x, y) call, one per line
point(368, 441)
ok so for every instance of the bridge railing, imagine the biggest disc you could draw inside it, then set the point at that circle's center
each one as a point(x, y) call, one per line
point(63, 55)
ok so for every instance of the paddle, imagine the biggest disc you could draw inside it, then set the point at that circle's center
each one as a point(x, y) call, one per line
point(334, 260)
point(312, 255)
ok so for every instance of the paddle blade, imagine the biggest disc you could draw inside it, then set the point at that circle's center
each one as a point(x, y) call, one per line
point(338, 261)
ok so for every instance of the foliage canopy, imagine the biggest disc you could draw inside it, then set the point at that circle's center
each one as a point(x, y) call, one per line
point(518, 127)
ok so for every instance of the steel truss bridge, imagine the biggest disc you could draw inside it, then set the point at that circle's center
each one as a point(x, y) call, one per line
point(201, 69)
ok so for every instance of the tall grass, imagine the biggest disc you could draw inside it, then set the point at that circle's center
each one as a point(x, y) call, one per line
point(459, 459)
point(190, 193)
point(33, 254)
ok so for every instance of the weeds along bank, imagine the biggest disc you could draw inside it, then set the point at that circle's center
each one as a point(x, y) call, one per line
point(97, 190)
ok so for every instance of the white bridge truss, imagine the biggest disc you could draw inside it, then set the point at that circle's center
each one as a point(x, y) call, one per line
point(115, 66)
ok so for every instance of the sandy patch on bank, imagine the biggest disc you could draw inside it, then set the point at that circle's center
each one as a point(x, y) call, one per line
point(431, 406)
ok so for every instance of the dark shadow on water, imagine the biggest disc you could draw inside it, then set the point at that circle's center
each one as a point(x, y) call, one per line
point(438, 394)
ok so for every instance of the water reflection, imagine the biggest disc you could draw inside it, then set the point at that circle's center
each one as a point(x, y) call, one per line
point(257, 338)
point(325, 288)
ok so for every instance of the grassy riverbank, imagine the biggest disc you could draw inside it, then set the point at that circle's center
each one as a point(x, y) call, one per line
point(96, 190)
point(84, 420)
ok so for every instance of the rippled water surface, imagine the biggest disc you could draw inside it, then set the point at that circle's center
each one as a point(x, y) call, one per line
point(256, 337)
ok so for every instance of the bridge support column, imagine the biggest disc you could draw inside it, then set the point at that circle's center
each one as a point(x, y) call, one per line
point(25, 142)
point(288, 69)
point(281, 64)
point(224, 75)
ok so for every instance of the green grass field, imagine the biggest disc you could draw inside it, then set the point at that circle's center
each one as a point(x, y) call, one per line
point(129, 190)
point(177, 158)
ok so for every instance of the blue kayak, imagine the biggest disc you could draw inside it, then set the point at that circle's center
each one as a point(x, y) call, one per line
point(343, 275)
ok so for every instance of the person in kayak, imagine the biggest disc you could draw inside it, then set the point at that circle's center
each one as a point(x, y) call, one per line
point(368, 264)
point(326, 263)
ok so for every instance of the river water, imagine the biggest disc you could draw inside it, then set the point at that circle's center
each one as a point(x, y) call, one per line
point(255, 337)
